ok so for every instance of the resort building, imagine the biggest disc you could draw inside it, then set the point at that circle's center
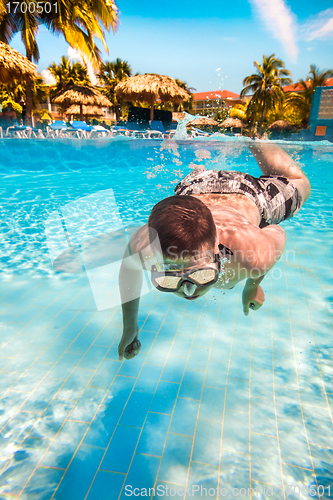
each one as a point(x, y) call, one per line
point(208, 101)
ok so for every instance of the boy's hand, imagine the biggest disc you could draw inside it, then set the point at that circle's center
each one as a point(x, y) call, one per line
point(253, 297)
point(129, 345)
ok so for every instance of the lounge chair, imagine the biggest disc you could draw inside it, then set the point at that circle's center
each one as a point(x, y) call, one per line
point(196, 132)
point(23, 131)
point(136, 130)
point(58, 128)
point(120, 130)
point(157, 130)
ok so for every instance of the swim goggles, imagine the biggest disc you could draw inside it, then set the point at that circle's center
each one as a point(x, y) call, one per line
point(173, 280)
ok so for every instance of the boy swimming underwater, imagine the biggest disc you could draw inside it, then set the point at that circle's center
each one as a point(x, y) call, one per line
point(219, 228)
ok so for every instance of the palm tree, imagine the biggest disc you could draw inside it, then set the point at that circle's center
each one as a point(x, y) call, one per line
point(79, 21)
point(110, 74)
point(305, 89)
point(266, 85)
point(188, 104)
point(69, 73)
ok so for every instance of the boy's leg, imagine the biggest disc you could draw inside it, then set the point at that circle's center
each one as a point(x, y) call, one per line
point(272, 160)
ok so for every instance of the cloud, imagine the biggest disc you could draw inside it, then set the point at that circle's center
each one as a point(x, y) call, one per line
point(48, 77)
point(319, 27)
point(278, 18)
point(75, 55)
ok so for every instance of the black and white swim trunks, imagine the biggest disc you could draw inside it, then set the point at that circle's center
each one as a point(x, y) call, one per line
point(276, 197)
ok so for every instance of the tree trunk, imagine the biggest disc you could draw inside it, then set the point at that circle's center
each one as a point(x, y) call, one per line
point(81, 113)
point(28, 98)
point(152, 111)
point(262, 117)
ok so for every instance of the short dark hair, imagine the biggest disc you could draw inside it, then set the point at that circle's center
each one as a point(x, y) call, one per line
point(182, 222)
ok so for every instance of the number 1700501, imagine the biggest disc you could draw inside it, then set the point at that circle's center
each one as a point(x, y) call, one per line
point(32, 7)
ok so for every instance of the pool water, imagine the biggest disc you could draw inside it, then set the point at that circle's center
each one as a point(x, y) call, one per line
point(215, 400)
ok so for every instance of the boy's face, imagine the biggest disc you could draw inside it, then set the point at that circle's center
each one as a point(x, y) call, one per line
point(188, 290)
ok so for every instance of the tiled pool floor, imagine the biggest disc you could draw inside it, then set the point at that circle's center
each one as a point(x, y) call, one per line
point(214, 399)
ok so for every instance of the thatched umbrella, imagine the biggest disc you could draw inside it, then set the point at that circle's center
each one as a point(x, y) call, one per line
point(86, 110)
point(14, 66)
point(203, 121)
point(83, 96)
point(232, 123)
point(150, 88)
point(281, 126)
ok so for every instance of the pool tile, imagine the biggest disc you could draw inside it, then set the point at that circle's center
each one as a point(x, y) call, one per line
point(65, 366)
point(41, 396)
point(165, 397)
point(148, 378)
point(132, 367)
point(192, 383)
point(294, 447)
point(54, 352)
point(82, 343)
point(202, 478)
point(318, 418)
point(295, 478)
point(103, 426)
point(261, 385)
point(221, 349)
point(207, 443)
point(106, 486)
point(322, 460)
point(108, 336)
point(235, 472)
point(64, 445)
point(168, 330)
point(204, 337)
point(198, 358)
point(181, 346)
point(262, 358)
point(176, 458)
point(265, 460)
point(75, 384)
point(154, 434)
point(120, 452)
point(174, 369)
point(217, 374)
point(188, 326)
point(105, 373)
point(119, 391)
point(158, 353)
point(263, 419)
point(236, 429)
point(153, 322)
point(93, 357)
point(142, 473)
point(43, 483)
point(240, 367)
point(79, 474)
point(87, 405)
point(242, 344)
point(52, 419)
point(212, 404)
point(238, 397)
point(136, 409)
point(184, 417)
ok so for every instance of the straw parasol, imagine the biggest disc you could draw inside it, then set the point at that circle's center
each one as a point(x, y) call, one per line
point(150, 88)
point(281, 126)
point(203, 121)
point(83, 96)
point(232, 123)
point(14, 66)
point(86, 110)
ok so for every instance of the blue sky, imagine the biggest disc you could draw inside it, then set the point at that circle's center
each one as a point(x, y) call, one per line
point(212, 45)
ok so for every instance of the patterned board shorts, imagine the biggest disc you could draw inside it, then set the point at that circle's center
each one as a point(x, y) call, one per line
point(276, 197)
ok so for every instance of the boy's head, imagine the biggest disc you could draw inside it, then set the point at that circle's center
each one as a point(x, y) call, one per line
point(187, 238)
point(185, 227)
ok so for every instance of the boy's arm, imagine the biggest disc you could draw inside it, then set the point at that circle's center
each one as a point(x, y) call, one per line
point(269, 250)
point(130, 284)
